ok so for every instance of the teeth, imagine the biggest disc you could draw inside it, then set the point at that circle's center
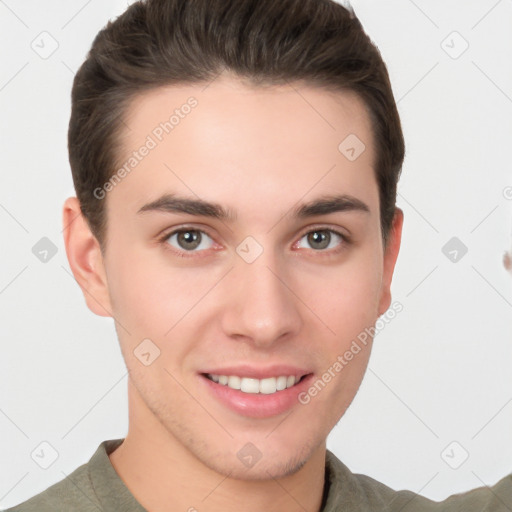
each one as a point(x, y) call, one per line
point(248, 385)
point(281, 383)
point(234, 382)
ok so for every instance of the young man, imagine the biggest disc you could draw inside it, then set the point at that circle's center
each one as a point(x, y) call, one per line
point(235, 163)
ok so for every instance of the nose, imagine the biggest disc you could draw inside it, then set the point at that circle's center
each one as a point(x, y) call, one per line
point(262, 304)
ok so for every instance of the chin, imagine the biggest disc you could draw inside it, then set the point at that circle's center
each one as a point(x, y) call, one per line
point(274, 467)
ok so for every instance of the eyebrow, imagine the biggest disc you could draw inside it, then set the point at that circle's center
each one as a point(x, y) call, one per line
point(172, 203)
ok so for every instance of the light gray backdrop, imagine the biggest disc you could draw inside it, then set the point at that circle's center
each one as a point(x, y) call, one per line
point(434, 413)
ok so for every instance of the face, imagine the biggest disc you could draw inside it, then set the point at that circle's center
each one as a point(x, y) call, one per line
point(278, 287)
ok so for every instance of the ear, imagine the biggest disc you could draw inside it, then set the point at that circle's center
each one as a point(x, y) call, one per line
point(85, 258)
point(390, 257)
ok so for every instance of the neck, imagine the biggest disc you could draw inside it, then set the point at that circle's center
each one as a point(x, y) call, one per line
point(162, 474)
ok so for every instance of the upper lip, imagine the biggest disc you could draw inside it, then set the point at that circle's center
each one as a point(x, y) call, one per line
point(253, 372)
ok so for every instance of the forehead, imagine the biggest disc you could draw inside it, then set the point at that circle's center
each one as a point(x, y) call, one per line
point(241, 105)
point(227, 138)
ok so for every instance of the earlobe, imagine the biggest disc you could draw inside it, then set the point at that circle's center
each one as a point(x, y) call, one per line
point(85, 258)
point(390, 258)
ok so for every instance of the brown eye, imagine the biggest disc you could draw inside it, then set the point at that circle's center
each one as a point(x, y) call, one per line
point(322, 239)
point(319, 239)
point(188, 240)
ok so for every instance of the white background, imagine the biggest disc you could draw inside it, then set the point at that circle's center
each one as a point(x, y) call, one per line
point(439, 372)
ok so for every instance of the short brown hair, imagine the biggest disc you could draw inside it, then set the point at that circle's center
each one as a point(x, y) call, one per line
point(164, 42)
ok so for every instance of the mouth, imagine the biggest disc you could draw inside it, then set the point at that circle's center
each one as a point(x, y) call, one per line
point(256, 392)
point(267, 386)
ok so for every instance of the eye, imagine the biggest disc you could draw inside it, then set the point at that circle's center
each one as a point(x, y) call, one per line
point(321, 239)
point(187, 240)
point(191, 240)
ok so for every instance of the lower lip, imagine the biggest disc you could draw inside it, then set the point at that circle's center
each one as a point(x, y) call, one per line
point(257, 405)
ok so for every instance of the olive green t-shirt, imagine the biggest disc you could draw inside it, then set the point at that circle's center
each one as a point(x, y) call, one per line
point(95, 486)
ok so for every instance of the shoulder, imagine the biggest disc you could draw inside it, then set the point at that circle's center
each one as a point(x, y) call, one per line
point(74, 492)
point(354, 489)
point(495, 498)
point(78, 491)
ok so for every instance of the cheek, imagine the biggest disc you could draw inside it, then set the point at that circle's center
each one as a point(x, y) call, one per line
point(349, 309)
point(150, 295)
point(148, 301)
point(141, 294)
point(349, 297)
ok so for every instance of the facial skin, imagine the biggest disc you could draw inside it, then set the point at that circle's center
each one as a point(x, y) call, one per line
point(260, 153)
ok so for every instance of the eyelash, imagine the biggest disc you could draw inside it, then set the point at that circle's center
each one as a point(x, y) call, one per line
point(346, 240)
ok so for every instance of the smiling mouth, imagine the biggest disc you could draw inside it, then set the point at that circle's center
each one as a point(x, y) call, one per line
point(266, 386)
